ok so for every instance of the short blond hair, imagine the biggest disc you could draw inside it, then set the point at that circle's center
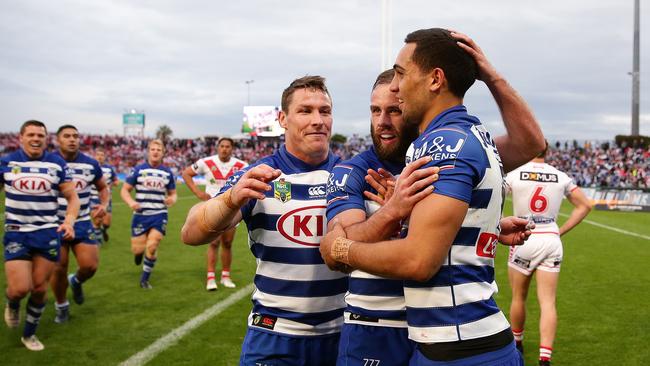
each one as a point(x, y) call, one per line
point(156, 142)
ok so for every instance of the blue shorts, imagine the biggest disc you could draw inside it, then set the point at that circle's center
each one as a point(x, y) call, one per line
point(506, 356)
point(269, 349)
point(25, 245)
point(141, 224)
point(363, 345)
point(84, 232)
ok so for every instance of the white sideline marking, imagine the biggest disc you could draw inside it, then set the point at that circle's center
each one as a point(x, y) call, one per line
point(631, 233)
point(175, 335)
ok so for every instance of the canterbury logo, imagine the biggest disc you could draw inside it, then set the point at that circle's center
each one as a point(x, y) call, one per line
point(316, 191)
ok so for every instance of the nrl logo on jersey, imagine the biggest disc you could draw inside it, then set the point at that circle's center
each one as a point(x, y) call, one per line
point(539, 177)
point(282, 190)
point(15, 170)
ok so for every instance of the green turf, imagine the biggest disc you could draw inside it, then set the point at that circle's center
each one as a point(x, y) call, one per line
point(603, 297)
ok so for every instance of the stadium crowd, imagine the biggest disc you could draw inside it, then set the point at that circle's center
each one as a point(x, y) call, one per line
point(590, 165)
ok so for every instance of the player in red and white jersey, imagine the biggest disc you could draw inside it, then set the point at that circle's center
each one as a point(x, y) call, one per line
point(537, 192)
point(216, 169)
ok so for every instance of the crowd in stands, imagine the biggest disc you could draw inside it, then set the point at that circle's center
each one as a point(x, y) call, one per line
point(590, 165)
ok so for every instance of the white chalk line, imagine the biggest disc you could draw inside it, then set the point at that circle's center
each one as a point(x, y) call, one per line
point(175, 335)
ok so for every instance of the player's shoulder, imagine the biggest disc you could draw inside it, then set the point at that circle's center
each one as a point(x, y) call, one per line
point(363, 161)
point(448, 143)
point(53, 158)
point(12, 156)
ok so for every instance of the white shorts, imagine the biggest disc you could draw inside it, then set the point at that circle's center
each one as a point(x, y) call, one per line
point(541, 251)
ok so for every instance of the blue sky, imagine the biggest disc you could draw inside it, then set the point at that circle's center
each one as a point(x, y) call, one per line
point(186, 63)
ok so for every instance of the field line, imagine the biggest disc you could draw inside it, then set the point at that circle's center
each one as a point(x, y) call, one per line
point(175, 335)
point(631, 233)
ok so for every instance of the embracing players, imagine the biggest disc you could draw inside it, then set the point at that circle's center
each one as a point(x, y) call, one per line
point(102, 224)
point(216, 169)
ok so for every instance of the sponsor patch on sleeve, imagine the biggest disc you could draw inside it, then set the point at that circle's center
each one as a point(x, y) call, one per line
point(337, 183)
point(442, 145)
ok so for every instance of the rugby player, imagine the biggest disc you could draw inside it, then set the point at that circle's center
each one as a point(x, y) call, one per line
point(33, 179)
point(155, 191)
point(110, 176)
point(537, 193)
point(375, 306)
point(447, 258)
point(298, 302)
point(216, 169)
point(86, 172)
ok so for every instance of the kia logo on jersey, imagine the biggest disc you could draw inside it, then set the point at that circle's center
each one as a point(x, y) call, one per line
point(304, 226)
point(32, 185)
point(154, 183)
point(487, 245)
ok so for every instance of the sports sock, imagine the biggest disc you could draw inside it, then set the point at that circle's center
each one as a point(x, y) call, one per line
point(34, 312)
point(61, 306)
point(74, 280)
point(225, 274)
point(519, 336)
point(13, 304)
point(147, 267)
point(545, 353)
point(211, 276)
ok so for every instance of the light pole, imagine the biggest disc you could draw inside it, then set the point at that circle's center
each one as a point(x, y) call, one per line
point(248, 90)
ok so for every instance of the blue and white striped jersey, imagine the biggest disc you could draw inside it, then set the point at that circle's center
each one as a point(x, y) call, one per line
point(457, 303)
point(368, 295)
point(32, 190)
point(85, 172)
point(151, 185)
point(108, 171)
point(292, 283)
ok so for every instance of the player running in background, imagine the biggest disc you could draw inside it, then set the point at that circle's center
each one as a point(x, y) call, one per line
point(86, 172)
point(155, 190)
point(298, 302)
point(216, 169)
point(102, 224)
point(33, 179)
point(537, 192)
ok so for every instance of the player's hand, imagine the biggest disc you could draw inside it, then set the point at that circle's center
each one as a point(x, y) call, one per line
point(326, 248)
point(253, 184)
point(204, 196)
point(135, 206)
point(169, 201)
point(98, 212)
point(411, 187)
point(381, 181)
point(486, 72)
point(67, 230)
point(515, 230)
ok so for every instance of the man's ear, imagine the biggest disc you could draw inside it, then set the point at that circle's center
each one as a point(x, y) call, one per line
point(282, 118)
point(437, 79)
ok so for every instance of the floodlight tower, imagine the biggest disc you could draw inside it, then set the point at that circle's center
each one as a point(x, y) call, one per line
point(635, 73)
point(386, 34)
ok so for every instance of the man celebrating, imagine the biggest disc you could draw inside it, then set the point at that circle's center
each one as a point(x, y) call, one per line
point(86, 172)
point(449, 307)
point(33, 179)
point(155, 191)
point(216, 169)
point(298, 302)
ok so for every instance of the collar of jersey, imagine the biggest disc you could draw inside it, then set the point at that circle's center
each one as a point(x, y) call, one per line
point(296, 165)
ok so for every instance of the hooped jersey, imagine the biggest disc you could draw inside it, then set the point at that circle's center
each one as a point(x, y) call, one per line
point(368, 296)
point(296, 294)
point(537, 191)
point(457, 302)
point(85, 173)
point(217, 172)
point(110, 176)
point(32, 190)
point(151, 186)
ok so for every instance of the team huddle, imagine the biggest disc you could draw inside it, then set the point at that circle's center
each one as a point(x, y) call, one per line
point(383, 259)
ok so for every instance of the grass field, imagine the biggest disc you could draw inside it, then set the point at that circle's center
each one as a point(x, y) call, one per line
point(603, 301)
